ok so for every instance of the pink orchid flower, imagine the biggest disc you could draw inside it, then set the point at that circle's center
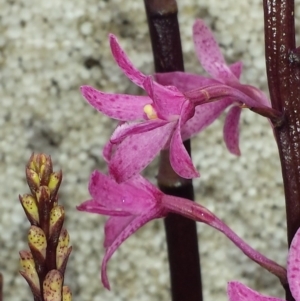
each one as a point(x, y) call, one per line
point(163, 119)
point(148, 123)
point(133, 203)
point(240, 292)
point(212, 60)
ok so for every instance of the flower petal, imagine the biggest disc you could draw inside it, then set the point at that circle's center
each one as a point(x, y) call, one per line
point(205, 114)
point(209, 54)
point(117, 106)
point(293, 266)
point(93, 206)
point(167, 100)
point(114, 226)
point(180, 160)
point(236, 68)
point(231, 130)
point(239, 292)
point(184, 81)
point(124, 63)
point(135, 152)
point(127, 129)
point(132, 227)
point(125, 197)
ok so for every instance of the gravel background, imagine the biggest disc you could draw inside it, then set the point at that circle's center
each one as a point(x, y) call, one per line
point(50, 48)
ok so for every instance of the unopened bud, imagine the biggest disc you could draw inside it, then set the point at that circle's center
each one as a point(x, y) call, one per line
point(37, 243)
point(33, 180)
point(43, 194)
point(41, 164)
point(54, 182)
point(67, 295)
point(28, 271)
point(52, 286)
point(57, 216)
point(30, 207)
point(63, 250)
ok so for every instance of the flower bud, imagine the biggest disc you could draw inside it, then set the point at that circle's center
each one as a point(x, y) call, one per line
point(29, 205)
point(54, 182)
point(33, 180)
point(67, 295)
point(63, 250)
point(57, 216)
point(43, 194)
point(52, 286)
point(37, 243)
point(28, 271)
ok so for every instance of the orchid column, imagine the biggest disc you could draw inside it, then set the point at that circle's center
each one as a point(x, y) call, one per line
point(181, 233)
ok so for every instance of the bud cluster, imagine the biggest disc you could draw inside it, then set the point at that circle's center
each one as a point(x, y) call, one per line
point(44, 265)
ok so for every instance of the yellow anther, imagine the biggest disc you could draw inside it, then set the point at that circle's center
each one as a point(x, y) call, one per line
point(150, 112)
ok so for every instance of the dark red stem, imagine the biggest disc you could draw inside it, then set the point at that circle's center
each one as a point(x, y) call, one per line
point(282, 60)
point(181, 233)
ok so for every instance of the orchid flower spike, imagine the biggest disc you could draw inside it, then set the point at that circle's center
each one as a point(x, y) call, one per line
point(240, 292)
point(133, 203)
point(212, 60)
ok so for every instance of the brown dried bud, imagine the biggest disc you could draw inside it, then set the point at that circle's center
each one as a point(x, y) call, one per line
point(29, 205)
point(52, 286)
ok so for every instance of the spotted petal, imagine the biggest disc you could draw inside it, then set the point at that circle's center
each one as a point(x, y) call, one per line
point(239, 292)
point(136, 223)
point(135, 152)
point(124, 63)
point(209, 54)
point(231, 130)
point(117, 106)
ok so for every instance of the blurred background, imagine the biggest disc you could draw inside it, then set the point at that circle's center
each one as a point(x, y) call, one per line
point(48, 49)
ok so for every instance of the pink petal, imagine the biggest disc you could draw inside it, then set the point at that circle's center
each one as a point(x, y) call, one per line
point(184, 81)
point(179, 158)
point(132, 227)
point(236, 68)
point(209, 54)
point(124, 63)
point(125, 197)
point(117, 106)
point(205, 114)
point(93, 206)
point(239, 292)
point(127, 129)
point(135, 152)
point(231, 130)
point(114, 226)
point(167, 100)
point(293, 266)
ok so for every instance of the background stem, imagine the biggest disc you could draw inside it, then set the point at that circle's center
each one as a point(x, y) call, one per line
point(181, 233)
point(282, 63)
